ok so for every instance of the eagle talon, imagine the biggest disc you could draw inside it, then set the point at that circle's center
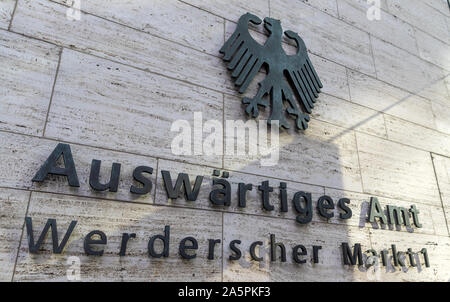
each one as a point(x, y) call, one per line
point(252, 107)
point(302, 122)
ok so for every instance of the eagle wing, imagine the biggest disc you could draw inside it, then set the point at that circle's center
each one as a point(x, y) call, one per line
point(301, 73)
point(244, 54)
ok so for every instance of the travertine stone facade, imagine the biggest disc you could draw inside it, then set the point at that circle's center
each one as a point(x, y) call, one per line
point(112, 83)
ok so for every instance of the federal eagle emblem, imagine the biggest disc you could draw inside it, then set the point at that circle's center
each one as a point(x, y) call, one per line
point(286, 74)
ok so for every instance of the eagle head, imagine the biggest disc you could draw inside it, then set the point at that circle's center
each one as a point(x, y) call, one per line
point(272, 25)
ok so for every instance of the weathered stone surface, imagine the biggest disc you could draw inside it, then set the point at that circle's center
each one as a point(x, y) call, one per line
point(122, 108)
point(440, 5)
point(436, 246)
point(332, 76)
point(26, 80)
point(322, 155)
point(388, 28)
point(395, 170)
point(403, 69)
point(441, 114)
point(119, 43)
point(249, 229)
point(171, 19)
point(417, 136)
point(433, 50)
point(22, 156)
point(375, 94)
point(348, 115)
point(347, 45)
point(6, 10)
point(233, 9)
point(422, 16)
point(129, 69)
point(114, 219)
point(327, 6)
point(254, 199)
point(431, 217)
point(13, 205)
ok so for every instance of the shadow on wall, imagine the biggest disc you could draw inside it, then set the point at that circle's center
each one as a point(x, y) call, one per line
point(305, 157)
point(323, 155)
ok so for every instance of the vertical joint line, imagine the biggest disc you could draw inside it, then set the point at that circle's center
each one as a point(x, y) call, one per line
point(224, 30)
point(373, 56)
point(223, 131)
point(53, 91)
point(359, 162)
point(440, 195)
point(337, 9)
point(348, 84)
point(415, 40)
point(223, 259)
point(21, 236)
point(12, 15)
point(385, 125)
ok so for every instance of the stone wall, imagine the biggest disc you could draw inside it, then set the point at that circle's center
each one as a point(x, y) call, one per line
point(112, 83)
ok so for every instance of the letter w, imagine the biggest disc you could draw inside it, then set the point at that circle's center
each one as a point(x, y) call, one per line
point(51, 223)
point(182, 180)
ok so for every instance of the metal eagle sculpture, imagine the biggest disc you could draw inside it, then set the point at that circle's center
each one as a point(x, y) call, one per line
point(246, 57)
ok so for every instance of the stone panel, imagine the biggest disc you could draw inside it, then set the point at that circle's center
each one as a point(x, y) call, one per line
point(114, 219)
point(122, 108)
point(403, 69)
point(22, 156)
point(433, 50)
point(13, 205)
point(437, 248)
point(441, 114)
point(322, 155)
point(233, 9)
point(395, 170)
point(327, 6)
point(417, 136)
point(26, 80)
point(422, 16)
point(348, 115)
point(171, 19)
point(400, 34)
point(442, 168)
point(346, 45)
point(249, 229)
point(440, 5)
point(119, 43)
point(380, 96)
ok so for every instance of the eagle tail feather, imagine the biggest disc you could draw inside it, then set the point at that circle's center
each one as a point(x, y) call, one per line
point(313, 71)
point(251, 62)
point(255, 68)
point(308, 98)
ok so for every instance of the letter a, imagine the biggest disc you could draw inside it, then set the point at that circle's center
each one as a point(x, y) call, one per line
point(49, 166)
